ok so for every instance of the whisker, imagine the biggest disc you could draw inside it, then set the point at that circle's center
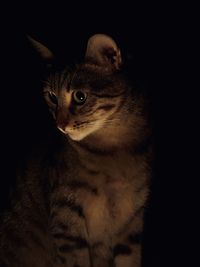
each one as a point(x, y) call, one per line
point(104, 124)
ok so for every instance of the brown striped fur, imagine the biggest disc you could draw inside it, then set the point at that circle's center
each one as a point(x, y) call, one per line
point(83, 204)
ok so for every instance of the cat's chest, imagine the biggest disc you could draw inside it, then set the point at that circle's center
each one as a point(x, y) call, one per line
point(109, 211)
point(113, 204)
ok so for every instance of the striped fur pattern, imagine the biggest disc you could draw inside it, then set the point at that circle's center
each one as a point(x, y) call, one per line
point(82, 204)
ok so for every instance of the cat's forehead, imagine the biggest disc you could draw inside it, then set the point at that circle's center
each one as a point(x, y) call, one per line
point(90, 75)
point(83, 76)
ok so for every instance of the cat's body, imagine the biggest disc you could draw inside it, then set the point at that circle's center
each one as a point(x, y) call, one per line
point(83, 203)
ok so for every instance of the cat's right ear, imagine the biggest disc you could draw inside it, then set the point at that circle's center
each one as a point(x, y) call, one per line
point(43, 51)
point(102, 50)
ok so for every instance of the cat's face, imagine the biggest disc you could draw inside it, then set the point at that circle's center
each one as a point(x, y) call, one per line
point(85, 100)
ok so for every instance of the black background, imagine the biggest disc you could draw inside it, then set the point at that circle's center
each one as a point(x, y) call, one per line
point(152, 41)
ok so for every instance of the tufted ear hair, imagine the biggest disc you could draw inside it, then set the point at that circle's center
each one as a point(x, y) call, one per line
point(43, 51)
point(102, 50)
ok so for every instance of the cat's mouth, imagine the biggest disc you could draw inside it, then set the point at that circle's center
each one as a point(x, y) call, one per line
point(75, 134)
point(80, 132)
point(65, 130)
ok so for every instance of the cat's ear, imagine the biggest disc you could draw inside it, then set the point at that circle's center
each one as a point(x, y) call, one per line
point(102, 50)
point(43, 51)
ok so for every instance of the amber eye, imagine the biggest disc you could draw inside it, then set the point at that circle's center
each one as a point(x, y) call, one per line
point(53, 98)
point(79, 97)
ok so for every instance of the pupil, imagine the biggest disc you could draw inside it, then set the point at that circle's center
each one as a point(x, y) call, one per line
point(80, 96)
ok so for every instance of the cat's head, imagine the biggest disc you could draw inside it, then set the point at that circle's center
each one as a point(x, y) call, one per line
point(84, 99)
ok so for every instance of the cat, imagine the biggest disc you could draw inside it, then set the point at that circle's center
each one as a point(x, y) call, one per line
point(81, 201)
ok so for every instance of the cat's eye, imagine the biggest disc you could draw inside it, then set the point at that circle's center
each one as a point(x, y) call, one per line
point(52, 97)
point(79, 97)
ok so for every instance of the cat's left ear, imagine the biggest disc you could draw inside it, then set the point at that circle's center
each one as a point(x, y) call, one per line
point(43, 51)
point(102, 50)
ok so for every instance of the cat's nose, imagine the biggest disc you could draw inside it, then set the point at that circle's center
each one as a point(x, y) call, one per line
point(62, 122)
point(61, 127)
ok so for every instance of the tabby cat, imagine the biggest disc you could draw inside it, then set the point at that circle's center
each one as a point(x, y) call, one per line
point(82, 204)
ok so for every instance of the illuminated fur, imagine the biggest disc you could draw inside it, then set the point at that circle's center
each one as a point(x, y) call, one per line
point(82, 204)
